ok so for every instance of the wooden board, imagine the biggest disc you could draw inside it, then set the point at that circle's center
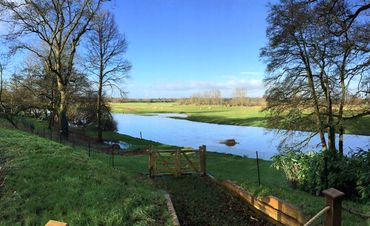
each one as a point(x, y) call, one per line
point(55, 223)
point(276, 214)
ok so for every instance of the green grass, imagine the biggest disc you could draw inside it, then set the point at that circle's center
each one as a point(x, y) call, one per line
point(43, 180)
point(242, 116)
point(245, 116)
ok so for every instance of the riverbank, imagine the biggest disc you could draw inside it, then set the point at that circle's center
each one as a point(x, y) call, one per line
point(235, 115)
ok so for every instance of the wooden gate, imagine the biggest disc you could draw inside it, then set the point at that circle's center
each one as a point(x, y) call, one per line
point(177, 162)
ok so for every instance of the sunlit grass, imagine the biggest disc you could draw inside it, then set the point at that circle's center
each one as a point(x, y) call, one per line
point(235, 115)
point(45, 180)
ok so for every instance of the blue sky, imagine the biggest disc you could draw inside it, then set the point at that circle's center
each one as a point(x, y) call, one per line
point(180, 47)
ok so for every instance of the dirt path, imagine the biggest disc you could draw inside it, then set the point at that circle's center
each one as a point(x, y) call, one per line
point(198, 201)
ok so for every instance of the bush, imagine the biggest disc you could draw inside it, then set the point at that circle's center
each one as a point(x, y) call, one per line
point(315, 171)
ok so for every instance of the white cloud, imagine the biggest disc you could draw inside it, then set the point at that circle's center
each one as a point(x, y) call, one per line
point(252, 73)
point(254, 87)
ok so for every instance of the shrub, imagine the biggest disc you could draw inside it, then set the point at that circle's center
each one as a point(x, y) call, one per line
point(315, 171)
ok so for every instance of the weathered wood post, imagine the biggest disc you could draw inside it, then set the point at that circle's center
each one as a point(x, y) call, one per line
point(258, 169)
point(152, 162)
point(202, 160)
point(333, 198)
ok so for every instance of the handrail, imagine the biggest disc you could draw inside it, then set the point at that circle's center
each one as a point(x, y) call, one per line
point(314, 218)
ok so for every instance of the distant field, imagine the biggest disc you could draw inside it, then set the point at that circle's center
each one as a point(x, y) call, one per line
point(242, 116)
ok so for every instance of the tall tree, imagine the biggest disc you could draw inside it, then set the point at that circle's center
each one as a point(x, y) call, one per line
point(317, 55)
point(105, 60)
point(57, 24)
point(239, 96)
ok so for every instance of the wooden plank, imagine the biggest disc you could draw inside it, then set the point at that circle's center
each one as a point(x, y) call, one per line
point(190, 163)
point(171, 209)
point(55, 223)
point(284, 207)
point(273, 213)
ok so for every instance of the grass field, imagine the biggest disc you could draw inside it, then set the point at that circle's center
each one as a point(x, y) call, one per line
point(243, 116)
point(43, 180)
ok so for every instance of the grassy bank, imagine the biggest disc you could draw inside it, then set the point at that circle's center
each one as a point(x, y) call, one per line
point(243, 116)
point(43, 180)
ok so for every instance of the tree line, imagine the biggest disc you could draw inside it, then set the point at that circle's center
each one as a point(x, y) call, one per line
point(214, 97)
point(72, 55)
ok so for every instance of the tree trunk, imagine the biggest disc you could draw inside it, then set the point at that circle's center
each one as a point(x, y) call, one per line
point(317, 110)
point(340, 146)
point(98, 110)
point(100, 88)
point(331, 128)
point(62, 111)
point(331, 138)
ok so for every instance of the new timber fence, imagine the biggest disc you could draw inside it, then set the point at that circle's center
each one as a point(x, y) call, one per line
point(282, 213)
point(177, 162)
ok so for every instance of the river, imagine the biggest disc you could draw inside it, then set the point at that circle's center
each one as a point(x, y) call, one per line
point(185, 133)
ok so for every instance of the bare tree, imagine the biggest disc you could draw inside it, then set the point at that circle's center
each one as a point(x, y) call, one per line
point(239, 96)
point(316, 56)
point(105, 60)
point(56, 24)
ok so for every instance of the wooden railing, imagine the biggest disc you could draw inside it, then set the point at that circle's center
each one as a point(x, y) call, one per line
point(332, 209)
point(282, 213)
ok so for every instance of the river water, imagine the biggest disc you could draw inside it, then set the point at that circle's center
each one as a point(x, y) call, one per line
point(184, 133)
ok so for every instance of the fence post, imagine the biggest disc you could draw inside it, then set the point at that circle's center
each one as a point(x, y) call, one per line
point(152, 163)
point(202, 160)
point(258, 169)
point(333, 198)
point(89, 148)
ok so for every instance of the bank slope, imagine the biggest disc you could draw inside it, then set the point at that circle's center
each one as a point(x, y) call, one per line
point(42, 180)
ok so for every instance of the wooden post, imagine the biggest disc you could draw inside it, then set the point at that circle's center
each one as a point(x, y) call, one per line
point(152, 163)
point(202, 160)
point(333, 198)
point(258, 169)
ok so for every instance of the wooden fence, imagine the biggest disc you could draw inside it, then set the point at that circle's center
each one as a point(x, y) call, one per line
point(177, 162)
point(282, 213)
